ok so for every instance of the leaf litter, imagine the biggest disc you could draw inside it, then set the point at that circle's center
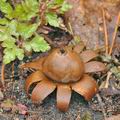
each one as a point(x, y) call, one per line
point(111, 102)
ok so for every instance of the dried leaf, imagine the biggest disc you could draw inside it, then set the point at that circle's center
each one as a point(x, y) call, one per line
point(88, 55)
point(94, 66)
point(79, 47)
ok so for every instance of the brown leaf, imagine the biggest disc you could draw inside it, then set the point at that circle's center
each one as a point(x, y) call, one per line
point(94, 66)
point(88, 55)
point(79, 47)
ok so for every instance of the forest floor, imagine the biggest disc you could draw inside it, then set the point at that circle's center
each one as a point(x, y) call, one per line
point(86, 21)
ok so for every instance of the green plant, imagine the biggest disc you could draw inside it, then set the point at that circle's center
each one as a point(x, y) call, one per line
point(113, 65)
point(18, 33)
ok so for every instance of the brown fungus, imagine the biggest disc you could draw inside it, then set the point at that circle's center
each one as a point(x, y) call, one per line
point(68, 67)
point(65, 70)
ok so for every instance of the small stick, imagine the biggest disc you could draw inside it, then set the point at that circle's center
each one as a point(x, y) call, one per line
point(115, 33)
point(3, 75)
point(105, 32)
point(107, 79)
point(70, 28)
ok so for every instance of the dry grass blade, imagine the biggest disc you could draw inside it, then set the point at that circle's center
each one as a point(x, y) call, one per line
point(114, 34)
point(105, 32)
point(107, 79)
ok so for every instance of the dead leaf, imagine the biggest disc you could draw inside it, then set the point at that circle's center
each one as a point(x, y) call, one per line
point(79, 47)
point(94, 66)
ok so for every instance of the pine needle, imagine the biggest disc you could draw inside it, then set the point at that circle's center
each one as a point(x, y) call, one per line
point(105, 32)
point(115, 33)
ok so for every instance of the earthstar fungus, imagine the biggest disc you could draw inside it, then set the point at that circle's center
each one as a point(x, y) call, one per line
point(65, 70)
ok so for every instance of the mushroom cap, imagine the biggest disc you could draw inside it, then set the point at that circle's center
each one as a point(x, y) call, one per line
point(63, 65)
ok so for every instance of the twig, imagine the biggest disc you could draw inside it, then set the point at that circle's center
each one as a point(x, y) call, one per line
point(107, 79)
point(3, 75)
point(70, 28)
point(105, 32)
point(101, 104)
point(115, 33)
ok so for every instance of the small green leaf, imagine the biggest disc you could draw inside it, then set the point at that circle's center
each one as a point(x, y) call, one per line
point(19, 13)
point(52, 19)
point(9, 55)
point(115, 71)
point(106, 58)
point(6, 8)
point(9, 43)
point(25, 30)
point(58, 2)
point(27, 46)
point(3, 21)
point(3, 36)
point(12, 28)
point(32, 5)
point(26, 10)
point(19, 53)
point(65, 7)
point(37, 44)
